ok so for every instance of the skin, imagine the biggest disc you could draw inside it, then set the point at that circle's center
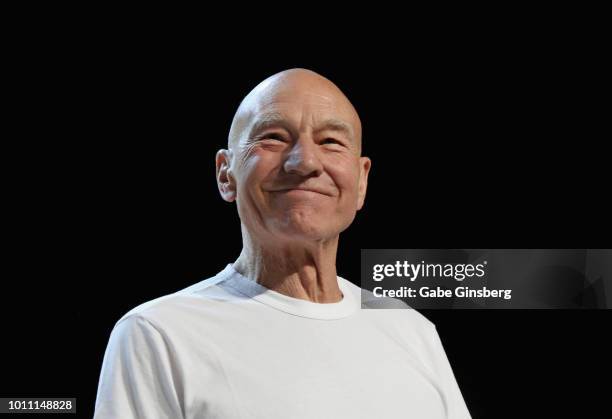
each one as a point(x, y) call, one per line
point(294, 168)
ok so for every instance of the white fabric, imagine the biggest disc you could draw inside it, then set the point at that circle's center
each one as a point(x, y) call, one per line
point(229, 348)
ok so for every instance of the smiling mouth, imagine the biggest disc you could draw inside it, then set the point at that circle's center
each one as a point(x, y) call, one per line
point(305, 191)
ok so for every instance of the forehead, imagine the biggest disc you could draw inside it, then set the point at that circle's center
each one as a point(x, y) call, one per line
point(303, 108)
point(300, 101)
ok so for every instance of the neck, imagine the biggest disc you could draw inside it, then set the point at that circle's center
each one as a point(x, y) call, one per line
point(304, 270)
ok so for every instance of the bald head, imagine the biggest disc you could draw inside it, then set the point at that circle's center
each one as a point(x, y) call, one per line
point(287, 92)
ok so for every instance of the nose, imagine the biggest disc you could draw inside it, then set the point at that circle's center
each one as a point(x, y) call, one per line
point(303, 159)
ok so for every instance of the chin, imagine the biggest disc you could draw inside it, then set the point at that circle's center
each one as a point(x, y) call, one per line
point(300, 229)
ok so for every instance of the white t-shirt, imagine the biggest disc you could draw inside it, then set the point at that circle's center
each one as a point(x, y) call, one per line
point(229, 348)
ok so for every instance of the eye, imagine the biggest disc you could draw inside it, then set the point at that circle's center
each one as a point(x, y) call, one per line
point(273, 136)
point(330, 140)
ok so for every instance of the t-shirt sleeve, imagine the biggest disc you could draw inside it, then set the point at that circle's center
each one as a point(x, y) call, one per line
point(137, 379)
point(453, 399)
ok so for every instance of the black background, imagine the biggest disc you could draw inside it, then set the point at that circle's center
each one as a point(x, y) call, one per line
point(111, 200)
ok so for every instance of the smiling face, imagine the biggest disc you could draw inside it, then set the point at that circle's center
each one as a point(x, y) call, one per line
point(294, 165)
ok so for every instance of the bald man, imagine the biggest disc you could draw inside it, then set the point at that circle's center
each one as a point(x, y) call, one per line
point(277, 333)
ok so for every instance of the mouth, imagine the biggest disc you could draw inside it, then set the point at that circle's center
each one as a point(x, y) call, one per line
point(303, 191)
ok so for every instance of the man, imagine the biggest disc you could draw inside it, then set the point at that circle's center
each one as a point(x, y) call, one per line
point(277, 334)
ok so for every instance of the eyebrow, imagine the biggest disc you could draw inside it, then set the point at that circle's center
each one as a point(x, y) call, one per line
point(275, 119)
point(337, 125)
point(269, 120)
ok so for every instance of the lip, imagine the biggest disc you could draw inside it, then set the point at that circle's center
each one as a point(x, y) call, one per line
point(304, 190)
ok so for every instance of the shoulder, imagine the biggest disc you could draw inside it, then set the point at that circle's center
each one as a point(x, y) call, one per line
point(180, 306)
point(393, 310)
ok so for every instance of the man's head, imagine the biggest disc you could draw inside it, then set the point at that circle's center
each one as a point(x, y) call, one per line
point(294, 162)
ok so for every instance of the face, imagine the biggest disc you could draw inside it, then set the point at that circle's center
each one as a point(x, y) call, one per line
point(295, 170)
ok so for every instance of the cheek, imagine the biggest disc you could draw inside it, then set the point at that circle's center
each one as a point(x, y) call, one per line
point(254, 172)
point(261, 165)
point(346, 177)
point(256, 168)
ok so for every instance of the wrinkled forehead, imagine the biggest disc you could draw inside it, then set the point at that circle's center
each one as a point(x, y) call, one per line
point(304, 104)
point(301, 104)
point(305, 108)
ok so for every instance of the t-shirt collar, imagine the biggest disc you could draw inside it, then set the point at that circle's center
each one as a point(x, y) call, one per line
point(296, 306)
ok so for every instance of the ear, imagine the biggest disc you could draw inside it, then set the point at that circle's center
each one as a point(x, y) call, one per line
point(225, 179)
point(364, 171)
